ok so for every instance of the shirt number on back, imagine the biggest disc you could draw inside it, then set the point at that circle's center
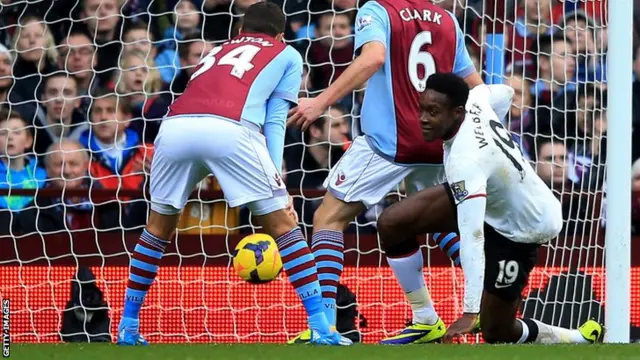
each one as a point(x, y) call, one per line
point(240, 58)
point(424, 58)
point(511, 147)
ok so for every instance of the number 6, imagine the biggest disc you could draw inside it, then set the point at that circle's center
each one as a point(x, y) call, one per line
point(424, 58)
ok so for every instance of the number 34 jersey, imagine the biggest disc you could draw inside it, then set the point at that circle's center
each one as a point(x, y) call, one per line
point(482, 159)
point(236, 79)
point(420, 39)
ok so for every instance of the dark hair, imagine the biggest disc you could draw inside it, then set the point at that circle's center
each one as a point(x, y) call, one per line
point(140, 25)
point(542, 140)
point(62, 74)
point(264, 17)
point(122, 102)
point(186, 42)
point(544, 45)
point(451, 85)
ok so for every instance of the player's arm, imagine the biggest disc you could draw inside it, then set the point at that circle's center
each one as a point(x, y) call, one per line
point(372, 29)
point(284, 95)
point(462, 65)
point(468, 184)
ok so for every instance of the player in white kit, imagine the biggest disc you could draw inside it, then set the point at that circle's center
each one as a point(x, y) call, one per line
point(505, 212)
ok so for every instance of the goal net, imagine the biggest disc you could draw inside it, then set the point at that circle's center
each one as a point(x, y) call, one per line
point(60, 62)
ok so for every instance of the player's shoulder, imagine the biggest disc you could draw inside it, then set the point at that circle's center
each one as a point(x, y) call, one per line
point(292, 57)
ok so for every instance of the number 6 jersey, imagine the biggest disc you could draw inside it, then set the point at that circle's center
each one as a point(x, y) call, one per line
point(482, 160)
point(236, 79)
point(420, 39)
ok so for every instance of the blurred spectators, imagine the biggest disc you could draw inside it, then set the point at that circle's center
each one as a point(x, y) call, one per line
point(67, 168)
point(77, 57)
point(101, 19)
point(551, 163)
point(9, 97)
point(18, 169)
point(118, 157)
point(61, 118)
point(36, 56)
point(145, 51)
point(332, 51)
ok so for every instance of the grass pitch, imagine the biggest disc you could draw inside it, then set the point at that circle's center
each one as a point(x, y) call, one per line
point(303, 352)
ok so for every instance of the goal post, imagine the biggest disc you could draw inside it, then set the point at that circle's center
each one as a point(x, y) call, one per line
point(618, 185)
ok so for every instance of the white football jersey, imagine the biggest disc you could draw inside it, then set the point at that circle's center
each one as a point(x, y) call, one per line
point(483, 160)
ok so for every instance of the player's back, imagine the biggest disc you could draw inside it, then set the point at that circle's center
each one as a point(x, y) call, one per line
point(421, 39)
point(235, 80)
point(520, 206)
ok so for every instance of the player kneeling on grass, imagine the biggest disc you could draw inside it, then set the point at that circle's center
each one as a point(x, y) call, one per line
point(239, 89)
point(505, 212)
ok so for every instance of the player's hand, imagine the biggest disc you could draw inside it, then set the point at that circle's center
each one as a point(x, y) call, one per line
point(467, 324)
point(307, 111)
point(291, 211)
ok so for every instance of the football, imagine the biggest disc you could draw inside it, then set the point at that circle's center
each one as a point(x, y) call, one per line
point(256, 259)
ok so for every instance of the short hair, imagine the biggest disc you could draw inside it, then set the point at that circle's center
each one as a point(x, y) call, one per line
point(450, 84)
point(264, 17)
point(62, 74)
point(544, 45)
point(322, 120)
point(186, 42)
point(122, 102)
point(542, 140)
point(140, 25)
point(9, 114)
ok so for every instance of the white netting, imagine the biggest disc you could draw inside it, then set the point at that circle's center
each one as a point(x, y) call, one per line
point(64, 64)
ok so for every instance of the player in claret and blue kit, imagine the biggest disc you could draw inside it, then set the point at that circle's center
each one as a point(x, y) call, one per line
point(240, 91)
point(504, 211)
point(400, 44)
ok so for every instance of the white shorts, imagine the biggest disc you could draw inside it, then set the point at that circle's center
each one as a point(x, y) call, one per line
point(363, 175)
point(188, 149)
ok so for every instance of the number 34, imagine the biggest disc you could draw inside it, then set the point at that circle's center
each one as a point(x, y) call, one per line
point(240, 58)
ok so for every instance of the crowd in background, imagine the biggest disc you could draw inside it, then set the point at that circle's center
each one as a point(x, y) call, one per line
point(84, 85)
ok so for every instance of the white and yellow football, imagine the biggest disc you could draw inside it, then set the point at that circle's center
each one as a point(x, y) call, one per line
point(256, 259)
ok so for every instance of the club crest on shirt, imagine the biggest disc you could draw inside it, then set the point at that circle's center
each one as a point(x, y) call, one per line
point(458, 190)
point(363, 22)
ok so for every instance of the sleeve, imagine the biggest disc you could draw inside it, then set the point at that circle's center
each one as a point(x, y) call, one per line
point(372, 24)
point(274, 128)
point(468, 185)
point(497, 96)
point(462, 65)
point(289, 85)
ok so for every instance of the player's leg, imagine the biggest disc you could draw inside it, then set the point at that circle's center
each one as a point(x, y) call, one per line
point(173, 177)
point(361, 178)
point(426, 211)
point(507, 269)
point(259, 187)
point(299, 265)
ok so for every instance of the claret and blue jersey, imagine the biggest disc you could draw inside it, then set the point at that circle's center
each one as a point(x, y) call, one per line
point(421, 39)
point(251, 78)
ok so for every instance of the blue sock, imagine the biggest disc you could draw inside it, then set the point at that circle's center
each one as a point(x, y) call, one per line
point(300, 266)
point(142, 272)
point(328, 247)
point(449, 244)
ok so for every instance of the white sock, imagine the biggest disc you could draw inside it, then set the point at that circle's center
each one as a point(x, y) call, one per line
point(408, 272)
point(525, 332)
point(548, 334)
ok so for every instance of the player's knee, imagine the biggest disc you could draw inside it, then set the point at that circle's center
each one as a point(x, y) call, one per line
point(386, 225)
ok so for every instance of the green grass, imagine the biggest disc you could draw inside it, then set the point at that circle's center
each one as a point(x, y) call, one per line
point(302, 352)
